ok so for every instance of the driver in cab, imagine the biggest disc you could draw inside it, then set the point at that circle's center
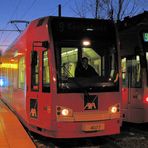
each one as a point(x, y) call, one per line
point(85, 70)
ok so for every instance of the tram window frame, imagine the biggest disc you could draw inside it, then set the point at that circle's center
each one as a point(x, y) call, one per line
point(66, 67)
point(70, 80)
point(146, 55)
point(46, 88)
point(128, 72)
point(35, 71)
point(145, 49)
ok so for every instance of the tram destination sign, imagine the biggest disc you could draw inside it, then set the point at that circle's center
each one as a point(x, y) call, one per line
point(72, 28)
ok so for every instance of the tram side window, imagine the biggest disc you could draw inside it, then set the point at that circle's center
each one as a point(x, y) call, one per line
point(131, 72)
point(124, 77)
point(136, 72)
point(46, 73)
point(69, 57)
point(35, 71)
point(147, 65)
point(21, 73)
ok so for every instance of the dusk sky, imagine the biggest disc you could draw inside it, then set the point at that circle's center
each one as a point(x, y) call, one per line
point(32, 9)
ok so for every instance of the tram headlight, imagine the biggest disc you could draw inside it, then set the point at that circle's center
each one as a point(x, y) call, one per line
point(115, 108)
point(63, 111)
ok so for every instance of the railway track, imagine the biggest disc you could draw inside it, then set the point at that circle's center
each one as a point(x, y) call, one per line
point(96, 142)
point(130, 136)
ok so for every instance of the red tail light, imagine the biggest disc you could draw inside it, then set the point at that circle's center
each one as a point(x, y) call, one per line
point(146, 99)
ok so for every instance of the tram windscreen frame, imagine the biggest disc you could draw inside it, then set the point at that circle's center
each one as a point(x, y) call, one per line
point(68, 34)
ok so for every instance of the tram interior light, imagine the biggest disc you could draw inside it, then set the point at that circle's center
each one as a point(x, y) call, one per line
point(86, 43)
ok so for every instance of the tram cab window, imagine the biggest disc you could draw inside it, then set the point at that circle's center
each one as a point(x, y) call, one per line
point(21, 66)
point(35, 71)
point(69, 57)
point(100, 58)
point(93, 58)
point(46, 74)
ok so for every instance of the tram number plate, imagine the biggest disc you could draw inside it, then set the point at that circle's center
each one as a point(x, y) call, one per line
point(93, 127)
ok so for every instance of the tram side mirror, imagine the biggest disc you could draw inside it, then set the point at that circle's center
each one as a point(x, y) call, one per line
point(45, 44)
point(34, 58)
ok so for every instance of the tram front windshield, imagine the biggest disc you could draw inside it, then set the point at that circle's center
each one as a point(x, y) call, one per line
point(102, 58)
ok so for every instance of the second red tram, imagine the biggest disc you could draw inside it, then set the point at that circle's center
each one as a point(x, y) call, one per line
point(42, 87)
point(134, 61)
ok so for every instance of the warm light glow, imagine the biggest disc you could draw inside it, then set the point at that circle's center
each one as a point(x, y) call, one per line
point(86, 42)
point(9, 65)
point(65, 112)
point(114, 109)
point(12, 60)
point(17, 54)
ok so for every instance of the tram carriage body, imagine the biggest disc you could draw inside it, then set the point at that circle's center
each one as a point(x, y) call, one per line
point(134, 63)
point(43, 90)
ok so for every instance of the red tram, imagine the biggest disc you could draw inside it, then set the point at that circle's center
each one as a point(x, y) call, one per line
point(134, 61)
point(40, 83)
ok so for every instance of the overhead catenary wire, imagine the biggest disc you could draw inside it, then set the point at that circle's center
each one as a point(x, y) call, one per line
point(15, 10)
point(11, 16)
point(28, 9)
point(14, 13)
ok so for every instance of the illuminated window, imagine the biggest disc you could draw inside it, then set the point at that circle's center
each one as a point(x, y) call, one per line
point(46, 73)
point(21, 73)
point(123, 67)
point(69, 60)
point(94, 59)
point(131, 71)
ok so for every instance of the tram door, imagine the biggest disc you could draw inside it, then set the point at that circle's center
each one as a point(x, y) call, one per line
point(39, 94)
point(132, 92)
